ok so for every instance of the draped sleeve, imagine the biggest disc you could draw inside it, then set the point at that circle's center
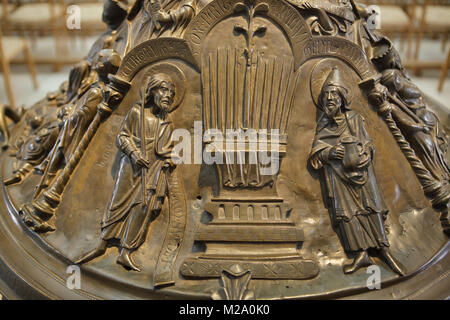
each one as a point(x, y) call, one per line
point(182, 16)
point(362, 134)
point(127, 135)
point(320, 149)
point(164, 145)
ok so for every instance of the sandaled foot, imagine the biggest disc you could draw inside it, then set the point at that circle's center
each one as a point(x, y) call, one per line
point(361, 261)
point(91, 255)
point(44, 228)
point(124, 260)
point(13, 180)
point(33, 222)
point(396, 266)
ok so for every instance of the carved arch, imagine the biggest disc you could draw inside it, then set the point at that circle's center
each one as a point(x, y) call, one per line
point(340, 48)
point(152, 51)
point(283, 14)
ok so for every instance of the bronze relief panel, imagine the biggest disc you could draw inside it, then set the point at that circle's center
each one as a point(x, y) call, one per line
point(219, 149)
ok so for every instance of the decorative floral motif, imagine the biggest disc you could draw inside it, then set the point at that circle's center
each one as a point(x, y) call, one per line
point(235, 282)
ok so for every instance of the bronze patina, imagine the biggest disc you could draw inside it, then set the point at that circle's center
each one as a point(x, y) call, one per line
point(228, 149)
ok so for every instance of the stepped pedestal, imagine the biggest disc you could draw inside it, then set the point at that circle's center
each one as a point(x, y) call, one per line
point(256, 234)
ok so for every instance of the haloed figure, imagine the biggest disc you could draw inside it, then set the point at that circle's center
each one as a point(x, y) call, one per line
point(343, 150)
point(142, 180)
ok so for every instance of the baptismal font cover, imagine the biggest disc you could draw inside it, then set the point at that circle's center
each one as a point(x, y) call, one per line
point(228, 149)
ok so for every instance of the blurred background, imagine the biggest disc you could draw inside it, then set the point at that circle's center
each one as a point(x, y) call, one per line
point(41, 39)
point(39, 42)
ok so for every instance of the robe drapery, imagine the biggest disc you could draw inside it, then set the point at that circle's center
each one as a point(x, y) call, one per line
point(358, 209)
point(431, 146)
point(143, 27)
point(72, 131)
point(127, 219)
point(78, 122)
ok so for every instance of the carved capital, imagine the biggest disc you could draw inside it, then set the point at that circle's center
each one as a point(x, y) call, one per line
point(113, 95)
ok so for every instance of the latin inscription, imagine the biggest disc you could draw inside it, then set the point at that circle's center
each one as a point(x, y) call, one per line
point(341, 48)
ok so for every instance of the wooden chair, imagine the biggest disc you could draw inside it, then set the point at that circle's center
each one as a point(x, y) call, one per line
point(397, 18)
point(10, 46)
point(434, 19)
point(5, 9)
point(444, 71)
point(38, 18)
point(91, 17)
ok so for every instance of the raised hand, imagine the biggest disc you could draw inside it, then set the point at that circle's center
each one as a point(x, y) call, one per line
point(139, 160)
point(163, 17)
point(336, 152)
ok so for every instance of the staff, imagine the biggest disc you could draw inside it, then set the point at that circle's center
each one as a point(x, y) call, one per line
point(403, 107)
point(143, 168)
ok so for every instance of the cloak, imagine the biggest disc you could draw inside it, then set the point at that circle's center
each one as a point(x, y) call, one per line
point(127, 218)
point(358, 209)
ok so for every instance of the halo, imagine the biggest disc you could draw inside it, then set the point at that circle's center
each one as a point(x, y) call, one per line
point(177, 76)
point(320, 72)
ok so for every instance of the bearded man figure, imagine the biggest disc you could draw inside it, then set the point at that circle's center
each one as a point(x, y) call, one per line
point(343, 151)
point(142, 181)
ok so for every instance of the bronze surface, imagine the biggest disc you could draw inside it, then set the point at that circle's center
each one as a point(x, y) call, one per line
point(90, 176)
